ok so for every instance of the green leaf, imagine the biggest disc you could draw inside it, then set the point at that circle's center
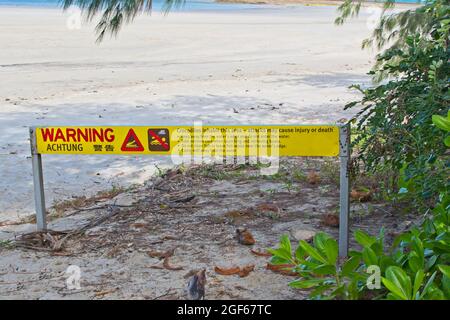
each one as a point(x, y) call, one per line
point(445, 270)
point(446, 286)
point(430, 262)
point(447, 141)
point(400, 280)
point(385, 262)
point(280, 256)
point(441, 122)
point(325, 269)
point(369, 257)
point(319, 290)
point(285, 243)
point(364, 239)
point(283, 253)
point(277, 260)
point(312, 252)
point(396, 293)
point(428, 285)
point(331, 251)
point(350, 265)
point(414, 262)
point(306, 284)
point(417, 245)
point(300, 254)
point(319, 241)
point(390, 296)
point(417, 283)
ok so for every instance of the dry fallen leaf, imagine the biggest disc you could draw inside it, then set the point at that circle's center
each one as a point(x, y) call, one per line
point(241, 271)
point(245, 237)
point(330, 220)
point(245, 271)
point(268, 207)
point(169, 237)
point(161, 254)
point(313, 177)
point(105, 292)
point(282, 269)
point(227, 271)
point(167, 266)
point(260, 253)
point(361, 196)
point(238, 213)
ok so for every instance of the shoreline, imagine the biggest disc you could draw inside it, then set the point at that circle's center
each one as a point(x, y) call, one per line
point(311, 3)
point(255, 3)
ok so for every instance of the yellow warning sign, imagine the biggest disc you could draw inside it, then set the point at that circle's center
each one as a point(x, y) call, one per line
point(264, 140)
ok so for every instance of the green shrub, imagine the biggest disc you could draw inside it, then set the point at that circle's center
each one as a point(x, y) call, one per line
point(416, 267)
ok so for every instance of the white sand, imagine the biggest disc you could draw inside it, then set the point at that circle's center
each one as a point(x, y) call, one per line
point(185, 67)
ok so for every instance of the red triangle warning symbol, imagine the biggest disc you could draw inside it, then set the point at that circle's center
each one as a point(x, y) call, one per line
point(132, 143)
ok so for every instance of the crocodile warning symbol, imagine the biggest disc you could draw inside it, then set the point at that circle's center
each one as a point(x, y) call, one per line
point(158, 140)
point(132, 143)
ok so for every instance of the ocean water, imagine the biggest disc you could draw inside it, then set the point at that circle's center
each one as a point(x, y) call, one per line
point(190, 5)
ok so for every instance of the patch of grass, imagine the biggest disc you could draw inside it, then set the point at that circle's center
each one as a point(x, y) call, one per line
point(299, 175)
point(329, 171)
point(6, 244)
point(289, 186)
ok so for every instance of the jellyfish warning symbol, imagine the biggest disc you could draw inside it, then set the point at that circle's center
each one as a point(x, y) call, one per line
point(132, 143)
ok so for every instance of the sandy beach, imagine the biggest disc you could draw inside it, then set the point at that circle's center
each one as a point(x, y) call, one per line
point(268, 65)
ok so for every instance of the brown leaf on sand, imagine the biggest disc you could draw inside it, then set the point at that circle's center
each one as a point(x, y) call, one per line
point(267, 207)
point(138, 225)
point(330, 220)
point(313, 178)
point(245, 237)
point(283, 269)
point(161, 254)
point(361, 196)
point(227, 271)
point(260, 253)
point(167, 265)
point(243, 213)
point(104, 292)
point(10, 223)
point(245, 271)
point(241, 271)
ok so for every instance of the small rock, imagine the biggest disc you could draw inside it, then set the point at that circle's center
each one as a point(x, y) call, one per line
point(306, 235)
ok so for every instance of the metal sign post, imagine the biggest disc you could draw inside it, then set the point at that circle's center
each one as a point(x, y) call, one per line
point(344, 181)
point(299, 141)
point(38, 181)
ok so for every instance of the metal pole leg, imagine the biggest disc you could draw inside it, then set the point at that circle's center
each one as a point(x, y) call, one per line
point(344, 156)
point(38, 181)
